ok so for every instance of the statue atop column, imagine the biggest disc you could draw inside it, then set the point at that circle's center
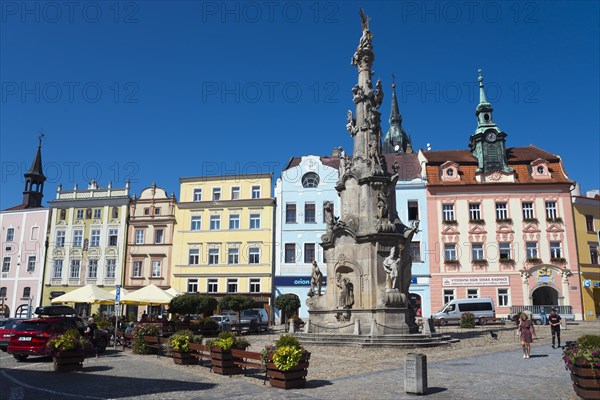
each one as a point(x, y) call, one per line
point(316, 280)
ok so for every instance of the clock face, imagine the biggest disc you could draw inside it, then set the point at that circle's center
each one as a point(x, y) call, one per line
point(490, 137)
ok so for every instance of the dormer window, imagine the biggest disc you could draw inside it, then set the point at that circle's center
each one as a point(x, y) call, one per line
point(450, 172)
point(540, 169)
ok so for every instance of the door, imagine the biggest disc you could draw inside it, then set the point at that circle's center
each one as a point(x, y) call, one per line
point(545, 296)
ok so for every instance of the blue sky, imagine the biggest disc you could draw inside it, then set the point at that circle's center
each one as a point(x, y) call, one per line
point(154, 90)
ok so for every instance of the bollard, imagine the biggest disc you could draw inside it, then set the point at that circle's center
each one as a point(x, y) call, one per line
point(292, 325)
point(307, 326)
point(374, 331)
point(415, 373)
point(356, 327)
point(428, 327)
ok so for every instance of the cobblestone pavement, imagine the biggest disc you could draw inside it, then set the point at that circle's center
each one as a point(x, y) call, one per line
point(494, 371)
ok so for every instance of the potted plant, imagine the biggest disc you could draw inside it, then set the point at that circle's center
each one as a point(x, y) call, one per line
point(582, 358)
point(139, 331)
point(179, 343)
point(286, 362)
point(220, 353)
point(68, 350)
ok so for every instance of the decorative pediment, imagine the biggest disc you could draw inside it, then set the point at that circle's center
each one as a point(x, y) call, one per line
point(540, 169)
point(504, 228)
point(531, 228)
point(450, 230)
point(450, 171)
point(555, 228)
point(476, 229)
point(496, 177)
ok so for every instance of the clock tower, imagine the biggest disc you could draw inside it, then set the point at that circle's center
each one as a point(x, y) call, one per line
point(488, 143)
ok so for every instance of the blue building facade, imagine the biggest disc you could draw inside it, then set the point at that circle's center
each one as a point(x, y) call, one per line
point(306, 183)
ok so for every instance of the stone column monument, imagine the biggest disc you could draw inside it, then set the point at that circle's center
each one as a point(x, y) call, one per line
point(367, 247)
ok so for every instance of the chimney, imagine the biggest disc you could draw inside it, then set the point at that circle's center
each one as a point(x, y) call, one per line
point(335, 152)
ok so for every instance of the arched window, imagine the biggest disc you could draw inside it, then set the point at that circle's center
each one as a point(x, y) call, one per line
point(27, 292)
point(310, 180)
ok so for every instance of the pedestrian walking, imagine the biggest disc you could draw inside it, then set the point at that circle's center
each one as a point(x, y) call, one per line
point(526, 334)
point(554, 320)
point(543, 316)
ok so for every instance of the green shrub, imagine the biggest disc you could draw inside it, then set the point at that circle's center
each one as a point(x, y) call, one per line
point(70, 340)
point(139, 331)
point(288, 340)
point(288, 303)
point(467, 320)
point(180, 341)
point(228, 340)
point(586, 348)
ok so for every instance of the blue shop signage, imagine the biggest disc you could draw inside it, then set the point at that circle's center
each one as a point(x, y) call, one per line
point(295, 281)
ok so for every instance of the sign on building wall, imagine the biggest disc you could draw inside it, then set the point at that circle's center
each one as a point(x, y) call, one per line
point(477, 281)
point(295, 281)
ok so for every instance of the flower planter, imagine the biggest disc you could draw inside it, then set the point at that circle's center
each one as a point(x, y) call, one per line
point(586, 381)
point(222, 362)
point(183, 358)
point(292, 378)
point(65, 361)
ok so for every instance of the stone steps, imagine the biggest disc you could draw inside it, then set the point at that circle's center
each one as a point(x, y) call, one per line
point(408, 340)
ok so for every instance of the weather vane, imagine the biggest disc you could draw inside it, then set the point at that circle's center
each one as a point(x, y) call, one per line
point(41, 136)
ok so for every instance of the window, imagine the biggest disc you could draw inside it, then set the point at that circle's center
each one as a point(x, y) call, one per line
point(551, 210)
point(75, 267)
point(503, 297)
point(555, 250)
point(504, 251)
point(26, 292)
point(310, 180)
point(477, 251)
point(57, 270)
point(233, 255)
point(216, 194)
point(3, 291)
point(528, 211)
point(97, 213)
point(159, 236)
point(115, 212)
point(6, 264)
point(290, 213)
point(253, 255)
point(309, 252)
point(63, 215)
point(235, 193)
point(290, 253)
point(450, 251)
point(256, 192)
point(234, 221)
point(413, 210)
point(472, 293)
point(593, 254)
point(157, 211)
point(197, 194)
point(309, 213)
point(192, 286)
point(35, 232)
point(194, 257)
point(60, 238)
point(10, 234)
point(213, 286)
point(448, 212)
point(254, 285)
point(415, 251)
point(79, 214)
point(196, 224)
point(531, 250)
point(111, 266)
point(449, 295)
point(92, 269)
point(475, 212)
point(156, 273)
point(113, 235)
point(213, 256)
point(501, 211)
point(137, 269)
point(88, 213)
point(31, 260)
point(147, 211)
point(232, 285)
point(139, 236)
point(95, 238)
point(589, 223)
point(254, 221)
point(77, 238)
point(215, 222)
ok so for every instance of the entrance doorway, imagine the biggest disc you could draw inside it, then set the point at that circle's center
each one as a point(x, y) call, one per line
point(415, 301)
point(546, 296)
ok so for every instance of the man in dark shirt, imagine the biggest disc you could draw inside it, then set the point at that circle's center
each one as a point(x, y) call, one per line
point(554, 321)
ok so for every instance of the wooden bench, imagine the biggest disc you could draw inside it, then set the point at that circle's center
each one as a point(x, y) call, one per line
point(201, 352)
point(155, 342)
point(249, 359)
point(124, 339)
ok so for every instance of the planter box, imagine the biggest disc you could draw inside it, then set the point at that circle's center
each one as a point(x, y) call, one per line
point(183, 358)
point(222, 362)
point(65, 361)
point(293, 378)
point(586, 381)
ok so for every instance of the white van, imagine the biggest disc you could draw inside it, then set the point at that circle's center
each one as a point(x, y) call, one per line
point(451, 312)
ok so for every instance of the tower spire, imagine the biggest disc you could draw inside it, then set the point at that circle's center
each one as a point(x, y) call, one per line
point(484, 108)
point(34, 179)
point(396, 140)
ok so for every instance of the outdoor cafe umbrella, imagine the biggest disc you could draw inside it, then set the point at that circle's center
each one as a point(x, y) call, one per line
point(147, 295)
point(173, 291)
point(86, 294)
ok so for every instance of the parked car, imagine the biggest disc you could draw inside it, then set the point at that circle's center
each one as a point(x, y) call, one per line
point(223, 321)
point(7, 327)
point(30, 337)
point(480, 307)
point(256, 320)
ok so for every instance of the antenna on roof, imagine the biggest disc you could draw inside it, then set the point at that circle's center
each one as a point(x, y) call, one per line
point(428, 146)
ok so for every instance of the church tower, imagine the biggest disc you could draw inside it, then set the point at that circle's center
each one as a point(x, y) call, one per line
point(396, 140)
point(488, 143)
point(34, 180)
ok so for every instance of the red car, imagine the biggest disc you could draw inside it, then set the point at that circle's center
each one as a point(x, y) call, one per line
point(6, 328)
point(31, 336)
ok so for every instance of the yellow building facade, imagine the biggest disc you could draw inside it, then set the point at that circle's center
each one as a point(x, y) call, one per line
point(223, 239)
point(586, 212)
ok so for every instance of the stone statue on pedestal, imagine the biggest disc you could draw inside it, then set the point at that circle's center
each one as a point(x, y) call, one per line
point(391, 264)
point(347, 294)
point(316, 280)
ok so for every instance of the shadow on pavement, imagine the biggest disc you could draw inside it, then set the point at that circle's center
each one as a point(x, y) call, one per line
point(434, 390)
point(99, 386)
point(538, 355)
point(96, 368)
point(317, 383)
